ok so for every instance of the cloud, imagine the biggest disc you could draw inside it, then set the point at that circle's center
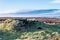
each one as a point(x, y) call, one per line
point(56, 1)
point(6, 14)
point(9, 11)
point(53, 13)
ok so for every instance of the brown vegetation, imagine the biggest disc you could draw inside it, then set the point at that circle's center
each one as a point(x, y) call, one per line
point(47, 20)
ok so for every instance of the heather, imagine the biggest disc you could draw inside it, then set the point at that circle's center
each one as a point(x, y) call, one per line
point(24, 29)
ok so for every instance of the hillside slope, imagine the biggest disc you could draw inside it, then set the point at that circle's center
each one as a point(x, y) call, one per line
point(12, 29)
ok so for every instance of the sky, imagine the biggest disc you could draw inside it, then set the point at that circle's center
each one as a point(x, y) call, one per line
point(13, 6)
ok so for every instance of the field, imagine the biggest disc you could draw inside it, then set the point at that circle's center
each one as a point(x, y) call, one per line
point(11, 29)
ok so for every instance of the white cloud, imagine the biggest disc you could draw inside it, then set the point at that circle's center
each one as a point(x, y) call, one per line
point(56, 1)
point(8, 11)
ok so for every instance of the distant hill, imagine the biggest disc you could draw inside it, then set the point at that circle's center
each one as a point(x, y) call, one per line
point(43, 19)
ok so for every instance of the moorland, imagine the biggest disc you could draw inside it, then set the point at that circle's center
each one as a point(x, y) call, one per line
point(29, 29)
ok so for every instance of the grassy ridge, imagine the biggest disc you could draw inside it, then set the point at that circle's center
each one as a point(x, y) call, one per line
point(12, 29)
